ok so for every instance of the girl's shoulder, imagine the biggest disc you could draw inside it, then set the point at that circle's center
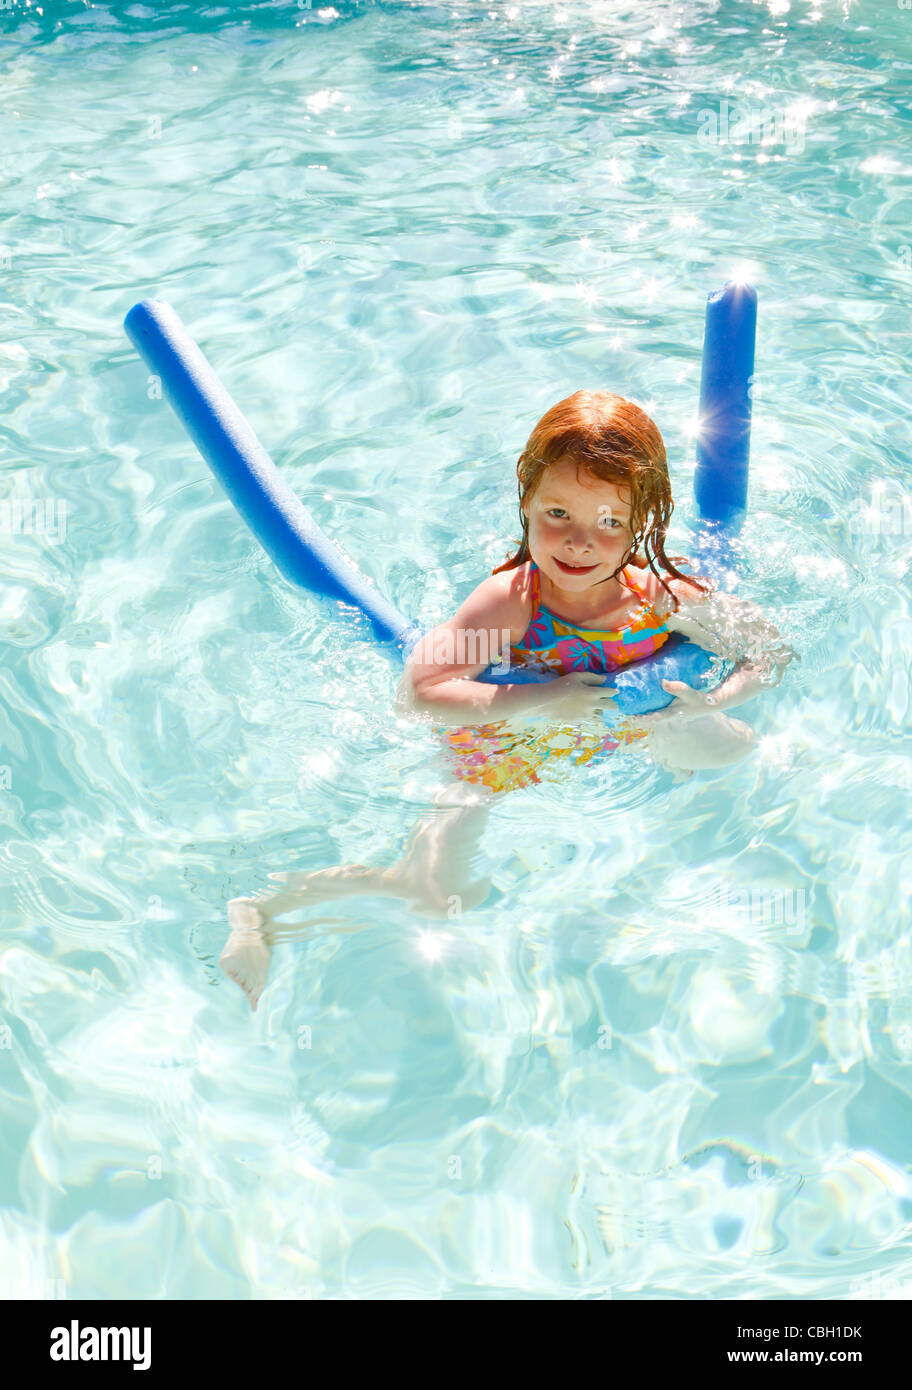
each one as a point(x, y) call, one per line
point(504, 599)
point(521, 582)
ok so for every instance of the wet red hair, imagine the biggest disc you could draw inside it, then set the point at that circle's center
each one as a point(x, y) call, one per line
point(614, 440)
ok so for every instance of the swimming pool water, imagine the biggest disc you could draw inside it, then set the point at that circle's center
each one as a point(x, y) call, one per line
point(671, 1056)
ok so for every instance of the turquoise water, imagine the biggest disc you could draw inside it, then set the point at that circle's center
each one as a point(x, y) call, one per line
point(671, 1056)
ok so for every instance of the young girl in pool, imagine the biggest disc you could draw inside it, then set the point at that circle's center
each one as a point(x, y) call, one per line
point(589, 590)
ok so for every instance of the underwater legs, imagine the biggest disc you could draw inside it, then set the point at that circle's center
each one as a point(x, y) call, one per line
point(434, 877)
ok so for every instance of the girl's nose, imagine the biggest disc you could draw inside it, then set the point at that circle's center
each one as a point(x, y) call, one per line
point(579, 541)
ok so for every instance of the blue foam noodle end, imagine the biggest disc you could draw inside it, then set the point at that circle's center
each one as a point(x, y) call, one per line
point(278, 519)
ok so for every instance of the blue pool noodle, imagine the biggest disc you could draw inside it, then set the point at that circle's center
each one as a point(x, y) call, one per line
point(278, 519)
point(308, 558)
point(723, 438)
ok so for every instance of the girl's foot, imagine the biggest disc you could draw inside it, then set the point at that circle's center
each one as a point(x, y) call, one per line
point(245, 958)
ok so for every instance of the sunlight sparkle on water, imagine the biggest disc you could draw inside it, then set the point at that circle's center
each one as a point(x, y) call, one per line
point(586, 292)
point(433, 945)
point(775, 750)
point(319, 101)
point(880, 164)
point(826, 566)
point(321, 764)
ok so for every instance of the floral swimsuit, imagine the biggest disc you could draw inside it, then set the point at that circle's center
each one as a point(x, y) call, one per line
point(503, 760)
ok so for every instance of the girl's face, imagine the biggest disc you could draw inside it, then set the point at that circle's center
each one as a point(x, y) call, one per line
point(579, 529)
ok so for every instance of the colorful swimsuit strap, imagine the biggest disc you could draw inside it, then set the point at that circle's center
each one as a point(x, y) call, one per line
point(536, 590)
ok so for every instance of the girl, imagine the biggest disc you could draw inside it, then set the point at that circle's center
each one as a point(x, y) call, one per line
point(589, 590)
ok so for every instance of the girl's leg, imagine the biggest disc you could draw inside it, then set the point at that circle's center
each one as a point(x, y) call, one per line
point(434, 877)
point(435, 874)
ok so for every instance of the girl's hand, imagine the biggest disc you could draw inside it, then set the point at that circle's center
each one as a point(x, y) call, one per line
point(747, 679)
point(687, 702)
point(580, 698)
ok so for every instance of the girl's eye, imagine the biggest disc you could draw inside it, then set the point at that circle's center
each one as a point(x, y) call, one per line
point(606, 521)
point(556, 511)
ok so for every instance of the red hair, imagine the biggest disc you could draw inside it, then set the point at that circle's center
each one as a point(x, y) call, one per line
point(614, 440)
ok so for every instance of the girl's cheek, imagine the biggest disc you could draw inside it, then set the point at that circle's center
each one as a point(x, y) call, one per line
point(615, 541)
point(544, 528)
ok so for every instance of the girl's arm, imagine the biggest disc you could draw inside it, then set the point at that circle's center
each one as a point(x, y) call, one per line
point(438, 678)
point(744, 682)
point(735, 629)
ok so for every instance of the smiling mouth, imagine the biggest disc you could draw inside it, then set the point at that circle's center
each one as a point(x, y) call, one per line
point(574, 569)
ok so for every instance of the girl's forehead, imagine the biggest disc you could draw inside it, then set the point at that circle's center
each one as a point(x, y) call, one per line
point(566, 478)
